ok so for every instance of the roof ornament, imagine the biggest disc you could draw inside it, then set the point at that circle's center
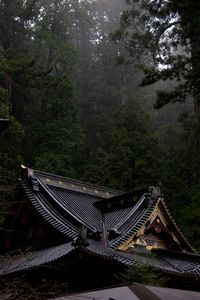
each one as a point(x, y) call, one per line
point(155, 191)
point(26, 172)
point(28, 175)
point(82, 240)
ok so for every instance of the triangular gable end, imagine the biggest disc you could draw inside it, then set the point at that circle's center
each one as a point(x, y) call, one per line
point(159, 232)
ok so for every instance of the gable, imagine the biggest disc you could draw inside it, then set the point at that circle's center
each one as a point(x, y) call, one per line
point(158, 232)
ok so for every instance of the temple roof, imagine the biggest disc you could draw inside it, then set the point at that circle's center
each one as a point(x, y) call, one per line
point(103, 222)
point(68, 204)
point(176, 263)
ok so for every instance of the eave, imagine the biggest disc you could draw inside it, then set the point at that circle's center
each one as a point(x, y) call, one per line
point(181, 264)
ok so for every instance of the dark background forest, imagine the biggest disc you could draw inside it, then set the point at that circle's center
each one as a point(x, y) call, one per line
point(103, 91)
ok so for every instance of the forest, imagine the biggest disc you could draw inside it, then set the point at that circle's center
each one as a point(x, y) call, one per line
point(104, 91)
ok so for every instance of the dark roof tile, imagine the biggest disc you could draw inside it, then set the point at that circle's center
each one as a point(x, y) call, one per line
point(34, 259)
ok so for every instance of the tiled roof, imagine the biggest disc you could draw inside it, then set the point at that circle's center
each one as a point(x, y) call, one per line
point(50, 214)
point(34, 259)
point(73, 185)
point(186, 263)
point(42, 257)
point(133, 221)
point(67, 205)
point(80, 205)
point(64, 203)
point(178, 263)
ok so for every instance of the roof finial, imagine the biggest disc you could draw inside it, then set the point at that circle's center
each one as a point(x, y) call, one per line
point(155, 191)
point(82, 239)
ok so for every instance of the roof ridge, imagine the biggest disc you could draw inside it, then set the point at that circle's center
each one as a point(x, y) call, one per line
point(132, 231)
point(71, 180)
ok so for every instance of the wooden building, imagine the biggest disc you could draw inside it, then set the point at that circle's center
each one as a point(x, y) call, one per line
point(77, 231)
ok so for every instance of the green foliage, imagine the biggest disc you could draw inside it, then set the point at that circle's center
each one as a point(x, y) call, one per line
point(144, 274)
point(11, 144)
point(56, 146)
point(180, 179)
point(36, 93)
point(4, 109)
point(190, 217)
point(134, 150)
point(131, 160)
point(168, 32)
point(96, 169)
point(3, 62)
point(10, 147)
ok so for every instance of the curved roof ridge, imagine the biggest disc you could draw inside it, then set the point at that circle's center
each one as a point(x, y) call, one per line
point(130, 214)
point(56, 222)
point(60, 205)
point(75, 181)
point(133, 229)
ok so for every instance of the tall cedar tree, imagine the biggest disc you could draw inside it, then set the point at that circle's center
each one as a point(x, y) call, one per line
point(169, 31)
